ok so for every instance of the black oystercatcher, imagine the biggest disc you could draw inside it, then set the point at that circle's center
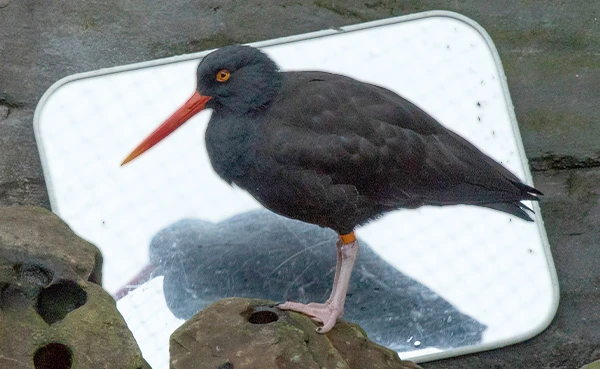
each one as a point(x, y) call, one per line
point(330, 150)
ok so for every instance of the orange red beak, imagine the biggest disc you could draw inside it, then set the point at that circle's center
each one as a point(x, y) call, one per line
point(194, 105)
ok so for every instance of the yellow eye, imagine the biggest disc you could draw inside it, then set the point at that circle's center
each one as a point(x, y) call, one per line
point(223, 75)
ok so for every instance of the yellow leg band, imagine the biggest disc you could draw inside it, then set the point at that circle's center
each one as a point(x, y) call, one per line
point(348, 238)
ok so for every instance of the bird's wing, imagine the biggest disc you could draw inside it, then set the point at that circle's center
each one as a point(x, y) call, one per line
point(390, 150)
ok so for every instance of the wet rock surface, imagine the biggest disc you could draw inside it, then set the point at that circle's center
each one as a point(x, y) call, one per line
point(53, 312)
point(252, 334)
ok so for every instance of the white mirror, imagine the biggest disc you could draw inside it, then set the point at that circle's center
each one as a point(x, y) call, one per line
point(457, 279)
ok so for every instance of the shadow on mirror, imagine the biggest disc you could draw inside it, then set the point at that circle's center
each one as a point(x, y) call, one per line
point(259, 254)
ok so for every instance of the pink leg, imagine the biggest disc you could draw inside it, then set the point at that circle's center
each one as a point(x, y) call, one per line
point(333, 308)
point(338, 266)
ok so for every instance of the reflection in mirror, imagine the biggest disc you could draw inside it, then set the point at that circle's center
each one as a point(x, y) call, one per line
point(262, 255)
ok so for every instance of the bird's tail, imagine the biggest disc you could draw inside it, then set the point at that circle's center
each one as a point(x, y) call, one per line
point(517, 208)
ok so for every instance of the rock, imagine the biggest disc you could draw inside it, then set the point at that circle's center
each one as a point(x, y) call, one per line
point(37, 249)
point(594, 365)
point(282, 259)
point(77, 325)
point(83, 329)
point(238, 333)
point(3, 109)
point(53, 312)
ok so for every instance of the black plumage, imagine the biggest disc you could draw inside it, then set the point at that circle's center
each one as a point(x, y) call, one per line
point(333, 151)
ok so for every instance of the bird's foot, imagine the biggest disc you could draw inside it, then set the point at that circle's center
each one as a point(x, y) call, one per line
point(326, 313)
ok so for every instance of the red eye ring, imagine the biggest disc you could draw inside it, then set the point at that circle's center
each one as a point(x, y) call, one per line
point(223, 75)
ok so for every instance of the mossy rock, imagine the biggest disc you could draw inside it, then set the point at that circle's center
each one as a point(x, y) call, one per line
point(37, 249)
point(594, 365)
point(244, 333)
point(76, 325)
point(53, 312)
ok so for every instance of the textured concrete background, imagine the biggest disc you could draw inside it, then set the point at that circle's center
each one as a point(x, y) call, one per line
point(551, 55)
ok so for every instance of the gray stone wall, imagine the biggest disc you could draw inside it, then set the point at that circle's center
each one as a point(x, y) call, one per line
point(550, 51)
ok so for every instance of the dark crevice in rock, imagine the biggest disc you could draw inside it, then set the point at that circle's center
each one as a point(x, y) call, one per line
point(551, 161)
point(261, 314)
point(10, 101)
point(35, 274)
point(58, 300)
point(263, 317)
point(53, 356)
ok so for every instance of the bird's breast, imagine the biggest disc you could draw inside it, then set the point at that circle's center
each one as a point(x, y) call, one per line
point(231, 143)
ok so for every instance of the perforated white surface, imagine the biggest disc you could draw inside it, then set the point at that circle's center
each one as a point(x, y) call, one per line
point(490, 265)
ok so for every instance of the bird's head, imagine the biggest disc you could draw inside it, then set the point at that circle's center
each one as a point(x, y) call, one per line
point(237, 79)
